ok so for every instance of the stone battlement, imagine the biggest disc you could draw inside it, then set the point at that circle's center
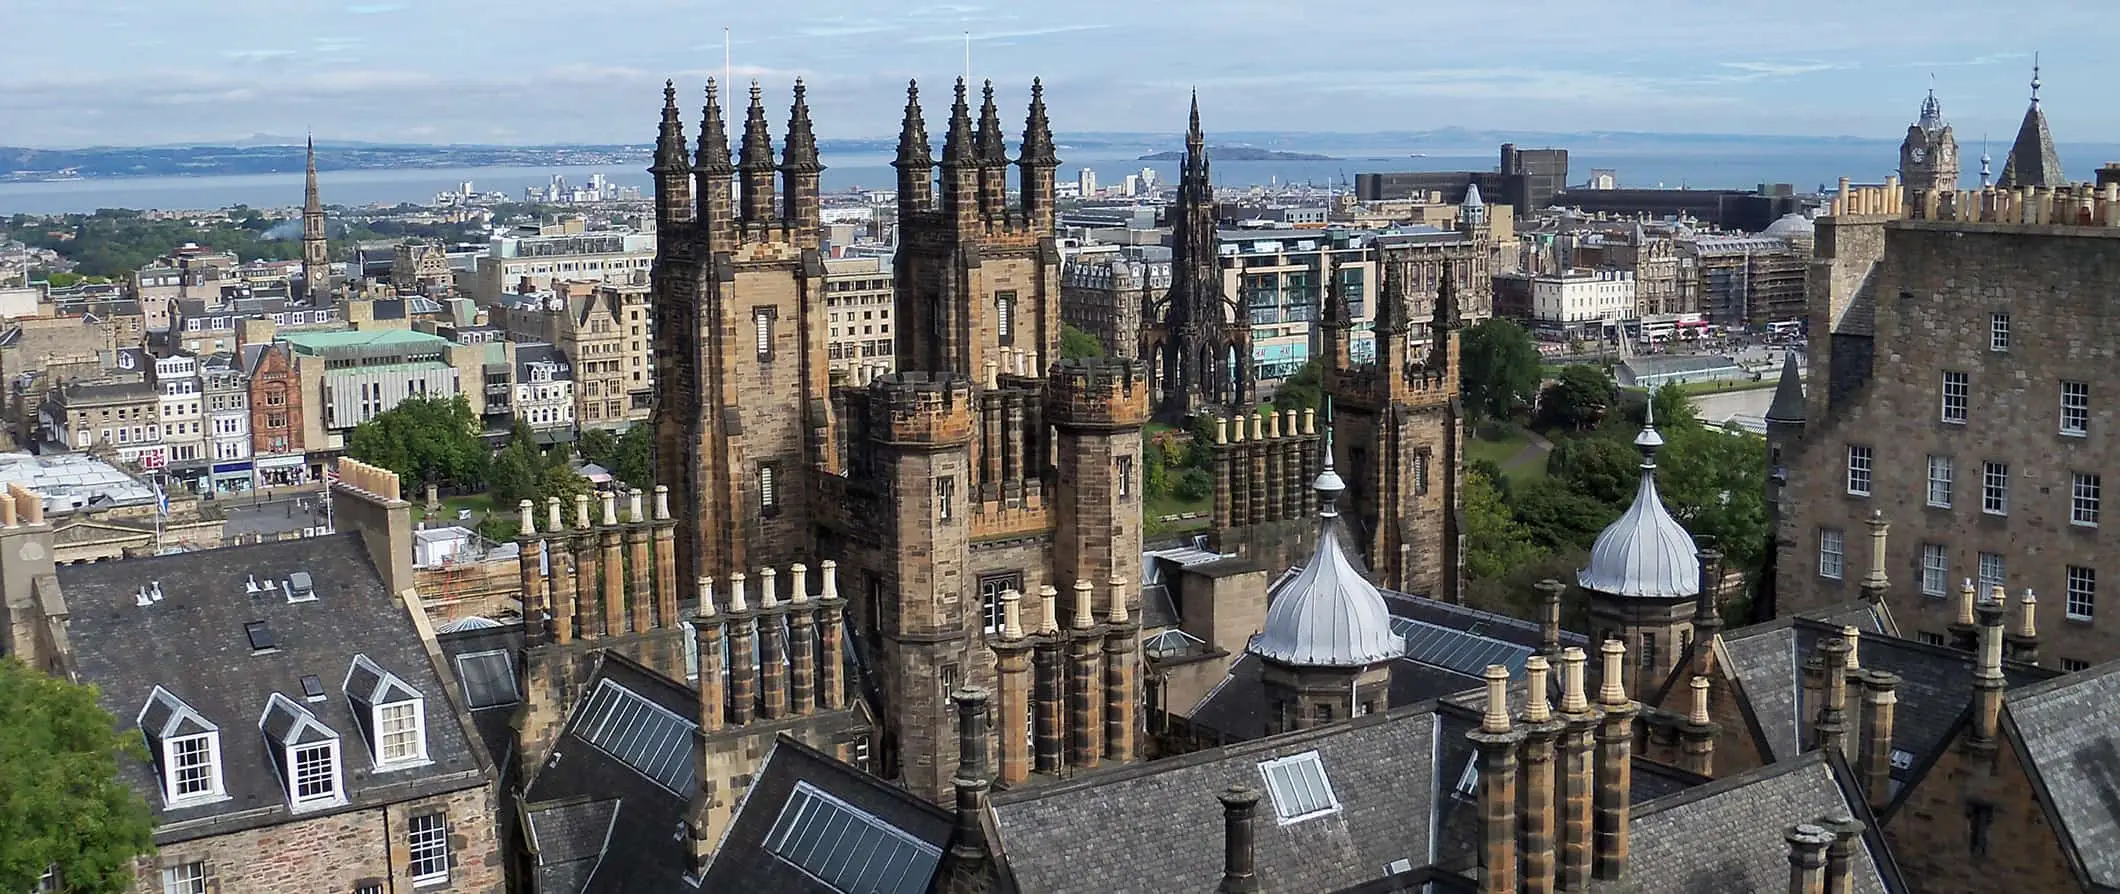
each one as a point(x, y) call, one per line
point(920, 408)
point(1103, 392)
point(2081, 205)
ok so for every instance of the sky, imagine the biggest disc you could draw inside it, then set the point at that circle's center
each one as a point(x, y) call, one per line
point(142, 72)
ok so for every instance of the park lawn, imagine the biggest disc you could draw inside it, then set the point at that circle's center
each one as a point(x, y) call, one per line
point(1154, 508)
point(1509, 443)
point(1692, 388)
point(479, 504)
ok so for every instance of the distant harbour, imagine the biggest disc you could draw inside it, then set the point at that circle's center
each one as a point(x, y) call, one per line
point(1805, 168)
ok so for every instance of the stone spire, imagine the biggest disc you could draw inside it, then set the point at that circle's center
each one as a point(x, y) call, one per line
point(1195, 140)
point(316, 254)
point(1788, 393)
point(713, 154)
point(670, 139)
point(913, 148)
point(755, 162)
point(992, 149)
point(1037, 131)
point(2032, 160)
point(799, 153)
point(958, 148)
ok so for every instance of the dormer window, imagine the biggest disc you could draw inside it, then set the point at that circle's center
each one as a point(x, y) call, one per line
point(391, 713)
point(306, 752)
point(186, 748)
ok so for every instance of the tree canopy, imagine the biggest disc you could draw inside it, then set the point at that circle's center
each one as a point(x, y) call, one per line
point(1578, 398)
point(1304, 390)
point(630, 455)
point(1499, 368)
point(61, 802)
point(423, 439)
point(1495, 542)
point(1076, 344)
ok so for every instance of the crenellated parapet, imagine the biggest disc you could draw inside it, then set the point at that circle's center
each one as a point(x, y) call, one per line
point(916, 408)
point(2077, 205)
point(1102, 393)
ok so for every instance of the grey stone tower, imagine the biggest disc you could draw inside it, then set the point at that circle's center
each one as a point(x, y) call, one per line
point(1928, 157)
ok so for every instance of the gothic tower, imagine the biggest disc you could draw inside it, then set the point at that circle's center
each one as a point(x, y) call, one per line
point(744, 427)
point(1201, 347)
point(1928, 157)
point(316, 255)
point(1473, 221)
point(1398, 431)
point(978, 281)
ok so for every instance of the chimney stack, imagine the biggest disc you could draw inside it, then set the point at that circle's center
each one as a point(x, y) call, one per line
point(1541, 730)
point(966, 862)
point(1875, 585)
point(613, 566)
point(1988, 681)
point(1832, 729)
point(1807, 858)
point(665, 534)
point(802, 655)
point(1965, 630)
point(1880, 695)
point(2023, 641)
point(1707, 611)
point(1549, 619)
point(832, 662)
point(588, 582)
point(1121, 637)
point(1615, 766)
point(772, 647)
point(1497, 739)
point(1012, 666)
point(743, 654)
point(1840, 855)
point(640, 570)
point(707, 633)
point(1048, 687)
point(559, 561)
point(1239, 806)
point(1697, 734)
point(1578, 784)
point(1085, 682)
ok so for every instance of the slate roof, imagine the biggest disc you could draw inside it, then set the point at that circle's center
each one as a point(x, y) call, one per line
point(1788, 392)
point(2032, 160)
point(1158, 827)
point(641, 855)
point(193, 643)
point(1727, 835)
point(490, 718)
point(745, 864)
point(2069, 733)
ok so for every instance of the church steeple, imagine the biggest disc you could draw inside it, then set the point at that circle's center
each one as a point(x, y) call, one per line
point(2032, 160)
point(916, 161)
point(756, 163)
point(316, 254)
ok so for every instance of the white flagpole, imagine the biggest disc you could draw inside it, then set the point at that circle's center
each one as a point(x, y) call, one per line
point(726, 68)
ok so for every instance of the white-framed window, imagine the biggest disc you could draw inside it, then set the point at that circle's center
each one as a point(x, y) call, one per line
point(315, 772)
point(2083, 498)
point(1995, 488)
point(2075, 408)
point(1957, 393)
point(1832, 556)
point(1998, 332)
point(2082, 592)
point(991, 586)
point(194, 767)
point(1860, 459)
point(184, 878)
point(428, 837)
point(1993, 571)
point(1940, 481)
point(1005, 316)
point(1935, 570)
point(762, 322)
point(400, 733)
point(768, 486)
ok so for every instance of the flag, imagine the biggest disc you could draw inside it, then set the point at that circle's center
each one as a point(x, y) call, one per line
point(161, 500)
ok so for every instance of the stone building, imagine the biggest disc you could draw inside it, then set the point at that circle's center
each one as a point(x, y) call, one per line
point(606, 329)
point(1928, 157)
point(1199, 348)
point(301, 732)
point(282, 425)
point(1957, 352)
point(858, 305)
point(1104, 295)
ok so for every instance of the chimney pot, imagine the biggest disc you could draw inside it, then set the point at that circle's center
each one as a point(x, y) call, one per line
point(610, 508)
point(1310, 421)
point(528, 508)
point(1699, 715)
point(1613, 692)
point(1236, 429)
point(552, 519)
point(1239, 806)
point(1538, 707)
point(1807, 858)
point(2028, 617)
point(706, 596)
point(1221, 431)
point(1854, 637)
point(831, 579)
point(1048, 610)
point(1497, 718)
point(662, 502)
point(767, 595)
point(1085, 616)
point(633, 507)
point(581, 511)
point(799, 583)
point(1573, 698)
point(1118, 608)
point(736, 594)
point(1011, 615)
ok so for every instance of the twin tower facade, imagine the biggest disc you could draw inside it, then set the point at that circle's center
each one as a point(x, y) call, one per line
point(979, 484)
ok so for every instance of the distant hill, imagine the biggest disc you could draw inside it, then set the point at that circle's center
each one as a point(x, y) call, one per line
point(1240, 153)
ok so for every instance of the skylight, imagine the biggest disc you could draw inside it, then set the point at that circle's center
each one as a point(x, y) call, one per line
point(488, 678)
point(260, 635)
point(645, 736)
point(848, 849)
point(1298, 786)
point(1457, 650)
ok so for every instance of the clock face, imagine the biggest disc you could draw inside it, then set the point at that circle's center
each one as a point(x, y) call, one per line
point(1918, 154)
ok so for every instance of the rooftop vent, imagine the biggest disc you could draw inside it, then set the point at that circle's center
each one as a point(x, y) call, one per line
point(250, 586)
point(300, 588)
point(312, 688)
point(260, 636)
point(143, 600)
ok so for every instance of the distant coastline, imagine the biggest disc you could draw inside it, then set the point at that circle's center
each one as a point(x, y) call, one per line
point(1240, 153)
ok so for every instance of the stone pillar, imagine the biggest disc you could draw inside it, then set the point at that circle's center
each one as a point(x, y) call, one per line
point(530, 562)
point(1807, 859)
point(772, 647)
point(1012, 658)
point(1085, 721)
point(1121, 636)
point(665, 560)
point(1832, 729)
point(1046, 703)
point(1615, 766)
point(707, 634)
point(1577, 780)
point(968, 844)
point(1840, 855)
point(743, 654)
point(640, 575)
point(588, 582)
point(1496, 740)
point(613, 565)
point(1880, 696)
point(831, 610)
point(1541, 731)
point(1239, 876)
point(1697, 735)
point(802, 650)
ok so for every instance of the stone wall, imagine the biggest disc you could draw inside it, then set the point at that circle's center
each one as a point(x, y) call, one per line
point(1932, 830)
point(342, 852)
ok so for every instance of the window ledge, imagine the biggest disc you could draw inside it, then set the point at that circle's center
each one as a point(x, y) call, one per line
point(2079, 620)
point(2073, 434)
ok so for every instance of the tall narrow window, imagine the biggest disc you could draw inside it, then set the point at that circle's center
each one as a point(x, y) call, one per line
point(2075, 408)
point(2082, 592)
point(1859, 463)
point(1998, 332)
point(1126, 477)
point(945, 497)
point(1940, 481)
point(1993, 572)
point(1648, 650)
point(1995, 488)
point(1957, 394)
point(762, 323)
point(1831, 555)
point(991, 586)
point(1005, 317)
point(427, 837)
point(2084, 493)
point(1935, 570)
point(768, 487)
point(1420, 473)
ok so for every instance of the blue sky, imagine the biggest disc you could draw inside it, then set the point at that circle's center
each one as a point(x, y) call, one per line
point(82, 72)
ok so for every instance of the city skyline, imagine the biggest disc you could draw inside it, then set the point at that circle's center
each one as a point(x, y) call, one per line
point(392, 71)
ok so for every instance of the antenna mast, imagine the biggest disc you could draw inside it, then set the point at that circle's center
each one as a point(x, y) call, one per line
point(967, 57)
point(727, 84)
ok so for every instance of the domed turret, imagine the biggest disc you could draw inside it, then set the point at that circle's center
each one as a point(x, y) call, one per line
point(1329, 615)
point(1645, 553)
point(1792, 225)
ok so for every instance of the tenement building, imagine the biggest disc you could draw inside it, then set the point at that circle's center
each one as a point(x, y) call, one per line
point(1962, 348)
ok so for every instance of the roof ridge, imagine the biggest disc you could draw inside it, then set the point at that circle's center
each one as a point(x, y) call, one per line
point(1799, 762)
point(2031, 692)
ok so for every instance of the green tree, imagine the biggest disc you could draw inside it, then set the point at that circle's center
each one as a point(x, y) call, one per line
point(1076, 344)
point(596, 445)
point(1304, 390)
point(61, 802)
point(1711, 479)
point(524, 471)
point(1494, 542)
point(1556, 517)
point(1578, 398)
point(422, 439)
point(1499, 369)
point(630, 455)
point(1604, 469)
point(1674, 408)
